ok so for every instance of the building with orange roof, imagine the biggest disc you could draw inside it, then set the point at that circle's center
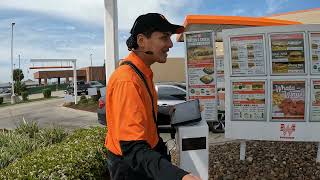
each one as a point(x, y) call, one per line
point(217, 24)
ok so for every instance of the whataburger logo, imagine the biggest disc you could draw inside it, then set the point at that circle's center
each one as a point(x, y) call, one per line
point(287, 131)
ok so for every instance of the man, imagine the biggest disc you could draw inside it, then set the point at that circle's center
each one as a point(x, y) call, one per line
point(135, 149)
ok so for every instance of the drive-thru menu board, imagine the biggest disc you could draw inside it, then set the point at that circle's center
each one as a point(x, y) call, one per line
point(283, 102)
point(315, 100)
point(288, 100)
point(287, 53)
point(201, 75)
point(247, 55)
point(315, 52)
point(249, 100)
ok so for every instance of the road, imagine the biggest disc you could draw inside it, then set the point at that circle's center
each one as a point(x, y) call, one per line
point(46, 113)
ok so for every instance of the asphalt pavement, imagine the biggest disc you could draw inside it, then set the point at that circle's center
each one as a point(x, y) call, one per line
point(47, 113)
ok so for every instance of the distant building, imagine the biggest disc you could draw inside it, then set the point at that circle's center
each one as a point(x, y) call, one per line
point(92, 73)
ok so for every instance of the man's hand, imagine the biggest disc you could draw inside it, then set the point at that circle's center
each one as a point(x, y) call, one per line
point(190, 177)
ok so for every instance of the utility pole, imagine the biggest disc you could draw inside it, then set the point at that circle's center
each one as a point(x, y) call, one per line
point(19, 68)
point(13, 97)
point(91, 59)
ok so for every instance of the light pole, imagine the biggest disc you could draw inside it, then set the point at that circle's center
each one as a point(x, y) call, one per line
point(91, 59)
point(13, 97)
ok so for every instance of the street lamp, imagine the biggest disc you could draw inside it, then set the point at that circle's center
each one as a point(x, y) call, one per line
point(13, 97)
point(91, 59)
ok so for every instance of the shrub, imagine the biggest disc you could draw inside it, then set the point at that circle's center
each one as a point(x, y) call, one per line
point(46, 93)
point(28, 128)
point(80, 156)
point(25, 95)
point(83, 100)
point(96, 97)
point(19, 87)
point(25, 139)
point(49, 136)
point(1, 100)
point(14, 146)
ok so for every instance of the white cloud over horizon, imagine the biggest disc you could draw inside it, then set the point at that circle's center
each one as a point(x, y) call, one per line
point(74, 28)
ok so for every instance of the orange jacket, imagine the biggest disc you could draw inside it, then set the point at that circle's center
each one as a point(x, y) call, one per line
point(128, 105)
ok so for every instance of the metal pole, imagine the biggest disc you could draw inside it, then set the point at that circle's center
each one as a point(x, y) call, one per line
point(242, 150)
point(19, 68)
point(110, 36)
point(318, 153)
point(91, 58)
point(75, 82)
point(13, 98)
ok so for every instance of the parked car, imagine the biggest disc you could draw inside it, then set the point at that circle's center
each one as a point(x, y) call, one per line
point(95, 84)
point(169, 94)
point(82, 88)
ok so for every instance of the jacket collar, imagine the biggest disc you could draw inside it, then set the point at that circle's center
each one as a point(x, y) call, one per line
point(136, 60)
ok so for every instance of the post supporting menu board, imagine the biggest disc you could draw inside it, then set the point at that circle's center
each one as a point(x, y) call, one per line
point(272, 77)
point(201, 72)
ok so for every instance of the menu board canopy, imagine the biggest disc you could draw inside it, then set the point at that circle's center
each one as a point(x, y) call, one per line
point(247, 55)
point(287, 53)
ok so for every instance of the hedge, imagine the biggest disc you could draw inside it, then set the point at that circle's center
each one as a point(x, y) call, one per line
point(79, 156)
point(46, 93)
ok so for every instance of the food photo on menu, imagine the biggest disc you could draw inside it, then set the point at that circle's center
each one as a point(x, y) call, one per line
point(288, 100)
point(200, 53)
point(287, 53)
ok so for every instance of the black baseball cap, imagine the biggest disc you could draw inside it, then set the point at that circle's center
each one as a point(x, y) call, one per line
point(154, 21)
point(151, 22)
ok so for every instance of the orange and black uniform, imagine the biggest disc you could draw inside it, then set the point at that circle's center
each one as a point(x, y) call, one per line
point(135, 149)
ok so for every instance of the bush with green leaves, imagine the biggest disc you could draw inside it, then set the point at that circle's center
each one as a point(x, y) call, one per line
point(46, 93)
point(1, 100)
point(29, 129)
point(14, 146)
point(79, 156)
point(83, 100)
point(19, 87)
point(25, 95)
point(26, 138)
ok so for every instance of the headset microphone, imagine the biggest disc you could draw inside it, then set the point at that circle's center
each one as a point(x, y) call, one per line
point(148, 52)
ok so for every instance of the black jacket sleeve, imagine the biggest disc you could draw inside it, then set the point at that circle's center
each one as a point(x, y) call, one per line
point(141, 158)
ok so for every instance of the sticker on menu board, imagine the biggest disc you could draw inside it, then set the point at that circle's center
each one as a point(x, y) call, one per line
point(248, 100)
point(287, 53)
point(315, 52)
point(288, 100)
point(247, 55)
point(315, 100)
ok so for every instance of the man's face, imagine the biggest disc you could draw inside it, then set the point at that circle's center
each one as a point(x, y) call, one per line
point(159, 43)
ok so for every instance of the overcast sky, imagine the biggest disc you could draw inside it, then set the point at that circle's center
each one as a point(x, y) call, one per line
point(74, 28)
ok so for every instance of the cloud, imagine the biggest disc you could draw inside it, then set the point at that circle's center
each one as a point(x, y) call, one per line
point(83, 10)
point(74, 28)
point(275, 5)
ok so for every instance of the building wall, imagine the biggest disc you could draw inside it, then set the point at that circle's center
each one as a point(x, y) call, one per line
point(172, 70)
point(95, 73)
point(311, 16)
